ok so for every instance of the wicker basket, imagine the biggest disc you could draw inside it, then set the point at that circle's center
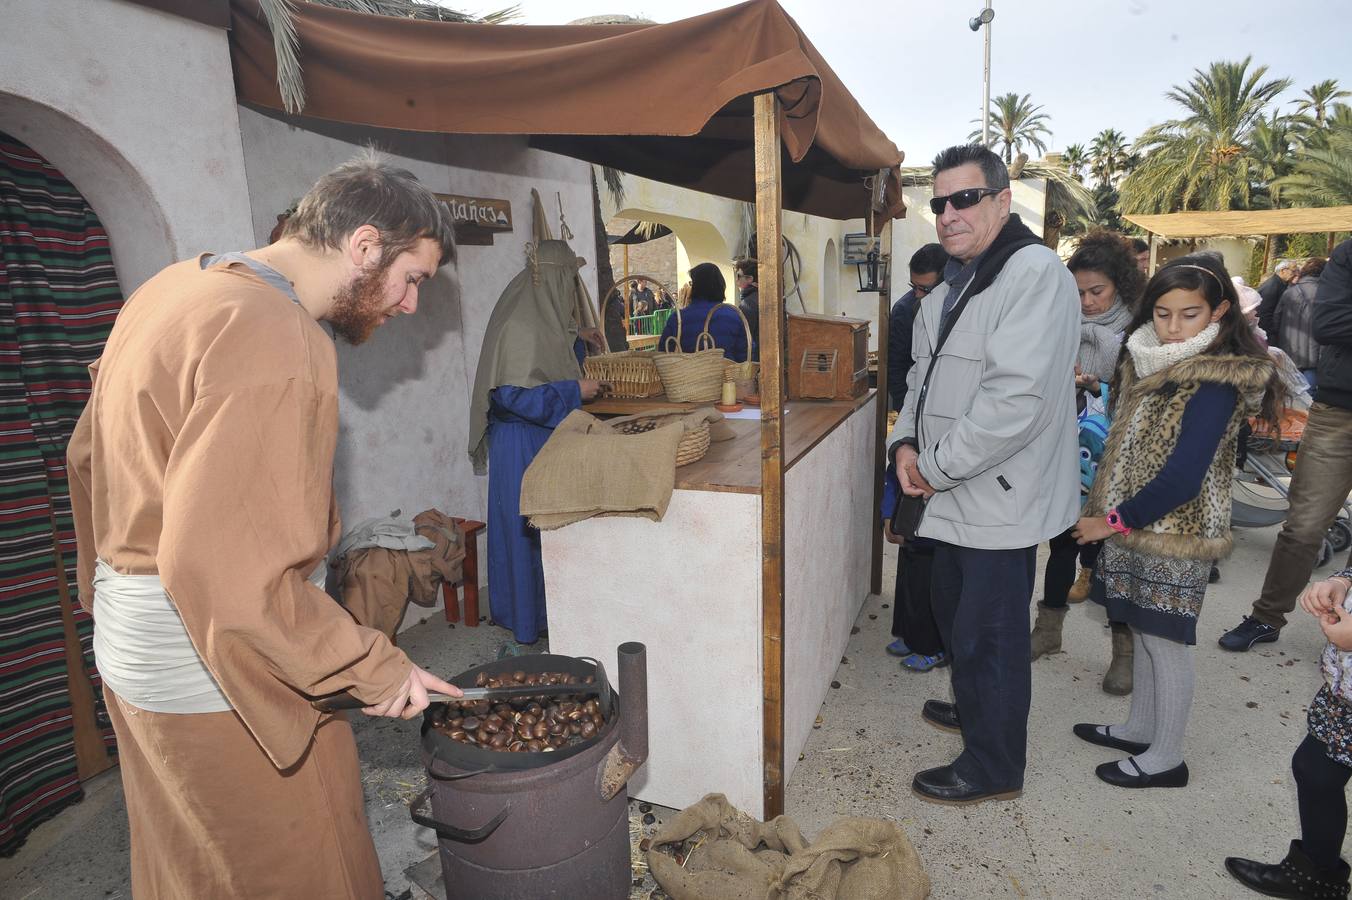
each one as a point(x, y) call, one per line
point(630, 373)
point(691, 377)
point(735, 371)
point(694, 443)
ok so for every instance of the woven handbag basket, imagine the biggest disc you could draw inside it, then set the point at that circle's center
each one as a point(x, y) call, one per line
point(691, 377)
point(735, 371)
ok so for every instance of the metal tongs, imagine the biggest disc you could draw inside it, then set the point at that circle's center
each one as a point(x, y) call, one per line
point(601, 687)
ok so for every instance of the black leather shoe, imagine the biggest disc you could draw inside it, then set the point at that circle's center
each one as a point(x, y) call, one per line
point(941, 715)
point(1087, 732)
point(1295, 877)
point(1247, 633)
point(1112, 773)
point(943, 785)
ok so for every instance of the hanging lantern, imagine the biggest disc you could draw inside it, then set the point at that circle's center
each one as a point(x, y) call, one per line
point(872, 272)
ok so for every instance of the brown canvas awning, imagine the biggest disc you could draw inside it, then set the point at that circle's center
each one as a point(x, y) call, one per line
point(667, 102)
point(1302, 220)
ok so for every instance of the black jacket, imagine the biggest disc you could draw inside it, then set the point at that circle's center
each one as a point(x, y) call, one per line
point(1333, 329)
point(1271, 292)
point(900, 326)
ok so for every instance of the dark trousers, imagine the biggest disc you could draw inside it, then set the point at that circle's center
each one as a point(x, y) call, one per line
point(912, 614)
point(980, 600)
point(1320, 794)
point(1062, 552)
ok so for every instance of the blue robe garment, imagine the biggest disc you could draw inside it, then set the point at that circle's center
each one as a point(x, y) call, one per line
point(520, 420)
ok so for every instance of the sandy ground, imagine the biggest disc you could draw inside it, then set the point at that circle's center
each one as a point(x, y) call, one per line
point(1069, 836)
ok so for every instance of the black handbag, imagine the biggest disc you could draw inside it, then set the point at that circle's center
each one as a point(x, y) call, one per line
point(910, 511)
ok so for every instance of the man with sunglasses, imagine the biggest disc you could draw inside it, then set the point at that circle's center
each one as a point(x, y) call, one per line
point(987, 436)
point(927, 270)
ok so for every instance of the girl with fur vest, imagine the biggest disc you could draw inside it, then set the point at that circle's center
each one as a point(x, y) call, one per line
point(1314, 867)
point(1190, 374)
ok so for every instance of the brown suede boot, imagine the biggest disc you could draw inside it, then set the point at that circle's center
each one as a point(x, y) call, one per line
point(1047, 630)
point(1079, 591)
point(1117, 680)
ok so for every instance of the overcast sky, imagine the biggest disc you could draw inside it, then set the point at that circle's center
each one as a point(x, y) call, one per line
point(1092, 64)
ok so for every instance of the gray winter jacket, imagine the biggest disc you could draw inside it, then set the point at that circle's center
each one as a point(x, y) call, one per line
point(1294, 322)
point(998, 437)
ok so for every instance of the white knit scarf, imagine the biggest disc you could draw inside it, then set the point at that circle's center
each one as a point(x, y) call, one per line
point(1150, 356)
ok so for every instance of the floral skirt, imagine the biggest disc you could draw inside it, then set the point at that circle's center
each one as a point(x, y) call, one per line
point(1330, 721)
point(1156, 595)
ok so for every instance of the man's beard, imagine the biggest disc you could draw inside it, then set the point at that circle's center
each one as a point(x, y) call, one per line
point(359, 307)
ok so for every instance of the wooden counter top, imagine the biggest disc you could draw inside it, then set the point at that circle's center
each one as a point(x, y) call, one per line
point(734, 466)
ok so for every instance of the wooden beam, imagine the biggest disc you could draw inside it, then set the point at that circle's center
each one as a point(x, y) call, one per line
point(883, 404)
point(769, 199)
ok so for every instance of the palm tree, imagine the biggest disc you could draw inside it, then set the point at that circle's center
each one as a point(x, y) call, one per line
point(1016, 123)
point(1203, 160)
point(1108, 155)
point(1075, 160)
point(286, 43)
point(1322, 175)
point(1318, 98)
point(1272, 146)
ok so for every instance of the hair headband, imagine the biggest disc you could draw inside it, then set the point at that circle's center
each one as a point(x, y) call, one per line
point(1214, 277)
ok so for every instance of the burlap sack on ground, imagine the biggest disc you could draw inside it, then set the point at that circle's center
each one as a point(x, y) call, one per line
point(587, 469)
point(378, 583)
point(737, 857)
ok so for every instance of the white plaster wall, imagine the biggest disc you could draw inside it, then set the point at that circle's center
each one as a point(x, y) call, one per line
point(404, 403)
point(137, 108)
point(828, 548)
point(689, 587)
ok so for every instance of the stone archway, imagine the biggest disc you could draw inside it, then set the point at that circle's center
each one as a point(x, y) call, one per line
point(830, 274)
point(138, 230)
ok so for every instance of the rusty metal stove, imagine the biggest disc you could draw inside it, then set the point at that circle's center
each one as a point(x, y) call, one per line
point(526, 826)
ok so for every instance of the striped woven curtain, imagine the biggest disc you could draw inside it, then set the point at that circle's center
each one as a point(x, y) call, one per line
point(58, 299)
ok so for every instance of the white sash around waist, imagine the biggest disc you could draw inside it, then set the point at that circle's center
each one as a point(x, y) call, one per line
point(143, 650)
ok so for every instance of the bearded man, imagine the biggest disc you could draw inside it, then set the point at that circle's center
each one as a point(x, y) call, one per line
point(201, 476)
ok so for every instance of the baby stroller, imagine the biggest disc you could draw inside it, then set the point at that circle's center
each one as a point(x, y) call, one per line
point(1260, 491)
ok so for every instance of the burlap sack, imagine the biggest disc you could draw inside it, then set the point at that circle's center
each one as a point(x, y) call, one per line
point(587, 469)
point(738, 858)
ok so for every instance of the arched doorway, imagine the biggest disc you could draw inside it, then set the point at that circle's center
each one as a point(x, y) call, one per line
point(830, 291)
point(59, 296)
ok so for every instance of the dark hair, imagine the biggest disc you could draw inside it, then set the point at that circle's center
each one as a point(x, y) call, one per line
point(992, 166)
point(747, 268)
point(1201, 272)
point(370, 191)
point(929, 258)
point(1313, 266)
point(1139, 246)
point(1109, 254)
point(706, 283)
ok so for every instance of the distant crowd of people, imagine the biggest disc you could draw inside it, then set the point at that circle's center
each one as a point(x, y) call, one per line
point(1110, 429)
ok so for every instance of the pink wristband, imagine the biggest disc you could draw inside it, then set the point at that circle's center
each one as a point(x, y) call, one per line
point(1115, 522)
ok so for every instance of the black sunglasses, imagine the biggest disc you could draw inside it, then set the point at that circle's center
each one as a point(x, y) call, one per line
point(961, 199)
point(923, 290)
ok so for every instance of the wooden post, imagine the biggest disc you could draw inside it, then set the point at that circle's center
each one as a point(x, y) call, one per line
point(1154, 252)
point(883, 404)
point(1267, 258)
point(769, 195)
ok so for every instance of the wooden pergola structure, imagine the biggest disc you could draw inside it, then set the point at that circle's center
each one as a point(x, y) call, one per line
point(1248, 222)
point(736, 102)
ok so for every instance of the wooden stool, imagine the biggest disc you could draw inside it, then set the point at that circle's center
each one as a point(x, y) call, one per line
point(469, 530)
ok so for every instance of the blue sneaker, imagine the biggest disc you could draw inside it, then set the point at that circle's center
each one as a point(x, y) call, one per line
point(919, 663)
point(898, 648)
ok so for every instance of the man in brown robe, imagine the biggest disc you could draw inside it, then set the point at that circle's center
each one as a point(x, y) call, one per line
point(201, 476)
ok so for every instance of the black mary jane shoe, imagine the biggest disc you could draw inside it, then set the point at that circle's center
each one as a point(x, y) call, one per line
point(1088, 732)
point(1112, 773)
point(944, 785)
point(1295, 877)
point(941, 715)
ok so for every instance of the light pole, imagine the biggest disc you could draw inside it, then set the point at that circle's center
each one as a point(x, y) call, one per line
point(975, 24)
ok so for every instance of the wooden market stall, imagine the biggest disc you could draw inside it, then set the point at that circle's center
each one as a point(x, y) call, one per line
point(738, 103)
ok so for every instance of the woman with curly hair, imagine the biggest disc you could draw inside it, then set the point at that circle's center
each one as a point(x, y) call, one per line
point(1110, 284)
